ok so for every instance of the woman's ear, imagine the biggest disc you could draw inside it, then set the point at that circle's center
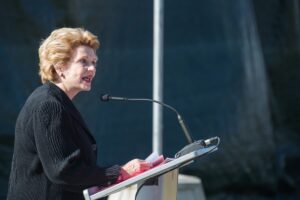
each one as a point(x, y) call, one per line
point(59, 70)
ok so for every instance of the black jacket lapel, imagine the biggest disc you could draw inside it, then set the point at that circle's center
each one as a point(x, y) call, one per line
point(68, 104)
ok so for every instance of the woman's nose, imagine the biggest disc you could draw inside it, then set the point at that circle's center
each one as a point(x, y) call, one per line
point(92, 67)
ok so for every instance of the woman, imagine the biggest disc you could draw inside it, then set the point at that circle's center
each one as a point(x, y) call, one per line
point(54, 152)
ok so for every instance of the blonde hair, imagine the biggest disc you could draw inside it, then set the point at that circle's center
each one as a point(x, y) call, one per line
point(57, 49)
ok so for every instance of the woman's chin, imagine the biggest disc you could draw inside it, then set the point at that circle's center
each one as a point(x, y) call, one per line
point(86, 88)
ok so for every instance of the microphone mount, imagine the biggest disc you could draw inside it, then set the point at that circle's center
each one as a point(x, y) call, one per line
point(192, 146)
point(107, 97)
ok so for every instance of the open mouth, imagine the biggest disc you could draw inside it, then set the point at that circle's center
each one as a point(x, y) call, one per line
point(87, 79)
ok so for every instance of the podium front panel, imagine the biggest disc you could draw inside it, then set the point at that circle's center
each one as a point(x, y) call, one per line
point(154, 172)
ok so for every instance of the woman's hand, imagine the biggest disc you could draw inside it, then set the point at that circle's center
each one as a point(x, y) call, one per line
point(134, 167)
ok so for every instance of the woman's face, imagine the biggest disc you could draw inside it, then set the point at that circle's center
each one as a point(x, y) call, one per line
point(79, 72)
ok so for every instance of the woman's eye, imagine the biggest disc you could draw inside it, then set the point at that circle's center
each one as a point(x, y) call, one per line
point(83, 61)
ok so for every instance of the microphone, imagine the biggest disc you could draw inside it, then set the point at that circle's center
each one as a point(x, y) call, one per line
point(192, 146)
point(107, 97)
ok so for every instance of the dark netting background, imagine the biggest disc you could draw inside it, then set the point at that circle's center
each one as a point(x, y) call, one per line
point(231, 68)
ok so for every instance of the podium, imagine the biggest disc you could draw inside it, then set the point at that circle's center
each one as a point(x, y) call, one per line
point(165, 174)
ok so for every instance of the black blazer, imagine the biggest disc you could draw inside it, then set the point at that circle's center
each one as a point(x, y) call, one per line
point(54, 152)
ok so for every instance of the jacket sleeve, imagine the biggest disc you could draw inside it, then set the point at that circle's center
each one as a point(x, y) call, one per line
point(61, 158)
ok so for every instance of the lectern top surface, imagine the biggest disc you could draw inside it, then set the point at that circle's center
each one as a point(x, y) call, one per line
point(154, 172)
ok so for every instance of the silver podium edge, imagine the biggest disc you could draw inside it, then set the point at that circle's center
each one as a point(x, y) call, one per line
point(156, 171)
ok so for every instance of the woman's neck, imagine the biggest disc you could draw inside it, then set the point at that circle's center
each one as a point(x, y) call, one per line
point(69, 92)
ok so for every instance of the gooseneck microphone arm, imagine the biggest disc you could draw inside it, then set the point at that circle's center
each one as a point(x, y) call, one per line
point(106, 97)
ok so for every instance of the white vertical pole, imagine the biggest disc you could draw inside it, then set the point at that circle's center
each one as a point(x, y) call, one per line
point(157, 119)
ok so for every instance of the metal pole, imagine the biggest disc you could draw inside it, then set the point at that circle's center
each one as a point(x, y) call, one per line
point(157, 119)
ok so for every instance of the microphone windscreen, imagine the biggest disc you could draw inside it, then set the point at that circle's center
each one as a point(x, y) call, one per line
point(104, 97)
